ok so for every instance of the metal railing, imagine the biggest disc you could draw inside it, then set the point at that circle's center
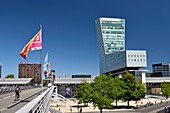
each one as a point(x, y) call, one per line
point(6, 89)
point(59, 99)
point(40, 104)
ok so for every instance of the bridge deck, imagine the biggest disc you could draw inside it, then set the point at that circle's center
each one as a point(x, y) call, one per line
point(7, 100)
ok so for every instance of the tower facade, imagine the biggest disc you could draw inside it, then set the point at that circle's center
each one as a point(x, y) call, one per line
point(114, 58)
point(111, 34)
point(111, 39)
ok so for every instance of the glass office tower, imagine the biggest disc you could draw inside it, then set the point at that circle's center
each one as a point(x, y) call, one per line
point(111, 39)
point(114, 58)
point(112, 32)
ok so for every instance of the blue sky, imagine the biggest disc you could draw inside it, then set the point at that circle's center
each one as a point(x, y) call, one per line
point(69, 34)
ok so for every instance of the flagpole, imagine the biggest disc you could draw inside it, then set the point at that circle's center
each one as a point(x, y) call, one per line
point(41, 61)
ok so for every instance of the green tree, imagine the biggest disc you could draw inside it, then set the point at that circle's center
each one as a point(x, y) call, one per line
point(165, 89)
point(140, 90)
point(101, 92)
point(133, 90)
point(10, 76)
point(104, 90)
point(83, 92)
point(117, 89)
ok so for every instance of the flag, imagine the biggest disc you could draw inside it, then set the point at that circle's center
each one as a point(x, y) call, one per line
point(49, 66)
point(46, 71)
point(46, 58)
point(34, 44)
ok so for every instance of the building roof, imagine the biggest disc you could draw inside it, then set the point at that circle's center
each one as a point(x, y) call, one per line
point(157, 79)
point(72, 80)
point(12, 81)
point(79, 80)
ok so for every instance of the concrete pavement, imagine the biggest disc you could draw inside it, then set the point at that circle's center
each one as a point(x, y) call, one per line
point(157, 105)
point(7, 100)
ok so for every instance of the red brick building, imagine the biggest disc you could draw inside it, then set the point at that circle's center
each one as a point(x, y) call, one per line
point(28, 70)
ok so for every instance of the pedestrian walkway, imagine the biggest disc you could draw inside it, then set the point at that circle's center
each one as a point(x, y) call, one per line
point(71, 105)
point(7, 100)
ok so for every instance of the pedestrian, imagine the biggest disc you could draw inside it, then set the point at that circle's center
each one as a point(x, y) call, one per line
point(70, 109)
point(136, 105)
point(165, 109)
point(80, 110)
point(17, 93)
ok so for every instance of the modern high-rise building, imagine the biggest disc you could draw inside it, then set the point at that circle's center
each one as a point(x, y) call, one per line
point(114, 58)
point(111, 35)
point(27, 70)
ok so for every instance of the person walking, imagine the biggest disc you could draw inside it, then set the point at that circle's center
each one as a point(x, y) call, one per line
point(70, 109)
point(80, 110)
point(165, 109)
point(17, 93)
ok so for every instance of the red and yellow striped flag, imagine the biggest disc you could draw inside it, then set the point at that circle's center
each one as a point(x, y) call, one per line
point(34, 44)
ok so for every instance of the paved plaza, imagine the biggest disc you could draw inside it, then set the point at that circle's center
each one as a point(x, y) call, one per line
point(71, 104)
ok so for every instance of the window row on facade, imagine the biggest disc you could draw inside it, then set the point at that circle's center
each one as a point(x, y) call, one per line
point(113, 32)
point(136, 60)
point(112, 38)
point(136, 55)
point(112, 27)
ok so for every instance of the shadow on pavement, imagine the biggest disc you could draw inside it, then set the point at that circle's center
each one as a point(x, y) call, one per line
point(123, 107)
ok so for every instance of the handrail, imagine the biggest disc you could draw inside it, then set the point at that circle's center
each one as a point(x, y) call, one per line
point(62, 97)
point(40, 104)
point(6, 89)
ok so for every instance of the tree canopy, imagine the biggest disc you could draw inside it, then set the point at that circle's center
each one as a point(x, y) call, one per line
point(10, 76)
point(101, 92)
point(165, 89)
point(134, 90)
point(117, 89)
point(105, 89)
point(83, 92)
